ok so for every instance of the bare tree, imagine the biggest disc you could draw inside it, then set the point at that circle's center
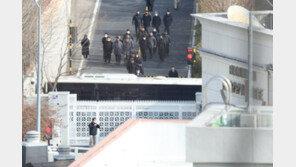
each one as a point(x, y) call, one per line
point(48, 114)
point(50, 26)
point(30, 32)
point(29, 37)
point(50, 36)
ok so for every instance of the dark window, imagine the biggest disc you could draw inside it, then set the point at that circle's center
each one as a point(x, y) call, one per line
point(91, 91)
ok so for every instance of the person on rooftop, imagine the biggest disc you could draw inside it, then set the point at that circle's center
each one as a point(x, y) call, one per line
point(93, 128)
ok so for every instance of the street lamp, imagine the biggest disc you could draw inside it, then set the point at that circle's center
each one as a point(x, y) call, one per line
point(39, 70)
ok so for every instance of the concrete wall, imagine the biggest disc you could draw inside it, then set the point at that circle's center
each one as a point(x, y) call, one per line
point(230, 40)
point(221, 147)
point(61, 101)
point(222, 68)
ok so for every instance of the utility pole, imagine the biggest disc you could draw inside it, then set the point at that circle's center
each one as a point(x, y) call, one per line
point(70, 47)
point(190, 58)
point(189, 71)
point(250, 60)
point(39, 70)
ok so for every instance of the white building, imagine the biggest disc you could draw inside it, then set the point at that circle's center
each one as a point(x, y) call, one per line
point(243, 140)
point(224, 52)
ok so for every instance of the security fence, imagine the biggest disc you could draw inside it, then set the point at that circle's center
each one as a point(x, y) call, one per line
point(111, 114)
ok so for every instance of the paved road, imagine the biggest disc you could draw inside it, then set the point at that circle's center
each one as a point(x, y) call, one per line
point(114, 17)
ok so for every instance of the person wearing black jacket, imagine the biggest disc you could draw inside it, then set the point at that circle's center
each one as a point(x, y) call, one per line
point(146, 19)
point(149, 4)
point(104, 39)
point(173, 73)
point(161, 48)
point(151, 43)
point(167, 41)
point(93, 126)
point(156, 21)
point(85, 46)
point(127, 48)
point(140, 67)
point(143, 46)
point(167, 20)
point(137, 58)
point(131, 66)
point(141, 33)
point(137, 21)
point(108, 47)
point(156, 35)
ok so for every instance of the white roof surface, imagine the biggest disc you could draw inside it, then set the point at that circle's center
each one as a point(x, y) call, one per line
point(129, 79)
point(140, 143)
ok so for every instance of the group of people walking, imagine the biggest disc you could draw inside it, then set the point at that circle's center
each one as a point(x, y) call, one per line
point(147, 35)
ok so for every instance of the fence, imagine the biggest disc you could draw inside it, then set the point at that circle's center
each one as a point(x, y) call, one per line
point(111, 114)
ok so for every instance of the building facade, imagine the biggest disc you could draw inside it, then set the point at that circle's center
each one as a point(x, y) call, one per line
point(225, 53)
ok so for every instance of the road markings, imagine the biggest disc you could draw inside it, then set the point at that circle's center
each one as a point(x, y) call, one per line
point(96, 9)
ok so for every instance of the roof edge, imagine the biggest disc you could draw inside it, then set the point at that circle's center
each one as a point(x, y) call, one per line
point(118, 132)
point(214, 17)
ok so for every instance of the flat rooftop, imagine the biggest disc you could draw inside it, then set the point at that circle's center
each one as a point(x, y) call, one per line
point(264, 17)
point(129, 79)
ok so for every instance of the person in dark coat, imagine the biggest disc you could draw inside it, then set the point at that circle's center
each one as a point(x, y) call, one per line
point(127, 48)
point(167, 20)
point(93, 126)
point(140, 67)
point(149, 4)
point(146, 19)
point(156, 21)
point(104, 39)
point(143, 46)
point(117, 49)
point(156, 35)
point(137, 19)
point(161, 48)
point(151, 43)
point(141, 33)
point(85, 46)
point(137, 58)
point(131, 66)
point(128, 33)
point(167, 41)
point(108, 49)
point(173, 73)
